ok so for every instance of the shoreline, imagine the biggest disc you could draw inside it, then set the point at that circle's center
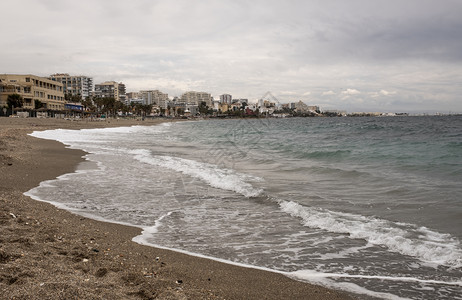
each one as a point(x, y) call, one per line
point(48, 253)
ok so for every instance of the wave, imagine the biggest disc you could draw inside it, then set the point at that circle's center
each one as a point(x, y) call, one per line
point(407, 239)
point(97, 140)
point(211, 174)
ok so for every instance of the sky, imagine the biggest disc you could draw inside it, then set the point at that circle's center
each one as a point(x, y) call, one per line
point(355, 55)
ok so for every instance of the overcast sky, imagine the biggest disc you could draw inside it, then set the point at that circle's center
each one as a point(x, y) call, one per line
point(355, 55)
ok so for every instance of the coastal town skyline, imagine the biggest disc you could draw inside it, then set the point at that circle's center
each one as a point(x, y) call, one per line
point(355, 56)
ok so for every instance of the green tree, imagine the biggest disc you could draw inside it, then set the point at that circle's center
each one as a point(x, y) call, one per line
point(88, 104)
point(147, 109)
point(109, 105)
point(99, 103)
point(203, 108)
point(15, 100)
point(126, 108)
point(38, 104)
point(118, 106)
point(137, 108)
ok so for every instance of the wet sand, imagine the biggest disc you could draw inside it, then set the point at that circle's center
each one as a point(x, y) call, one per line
point(49, 253)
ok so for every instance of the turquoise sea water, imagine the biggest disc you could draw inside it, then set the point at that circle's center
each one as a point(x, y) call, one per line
point(368, 205)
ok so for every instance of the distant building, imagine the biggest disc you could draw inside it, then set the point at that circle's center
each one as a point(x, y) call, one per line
point(135, 101)
point(313, 108)
point(196, 98)
point(226, 98)
point(300, 106)
point(74, 85)
point(224, 107)
point(132, 95)
point(154, 97)
point(110, 89)
point(32, 88)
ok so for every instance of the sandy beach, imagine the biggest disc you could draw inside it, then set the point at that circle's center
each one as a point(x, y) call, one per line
point(49, 253)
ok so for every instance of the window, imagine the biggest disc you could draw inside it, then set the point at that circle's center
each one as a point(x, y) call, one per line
point(27, 79)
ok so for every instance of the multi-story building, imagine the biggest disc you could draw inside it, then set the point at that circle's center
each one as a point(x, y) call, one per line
point(133, 95)
point(226, 98)
point(196, 98)
point(32, 89)
point(155, 97)
point(314, 108)
point(110, 89)
point(74, 85)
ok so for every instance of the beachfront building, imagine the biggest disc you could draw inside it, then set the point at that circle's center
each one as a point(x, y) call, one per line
point(266, 106)
point(226, 98)
point(34, 90)
point(74, 85)
point(196, 98)
point(110, 89)
point(155, 97)
point(301, 107)
point(313, 108)
point(133, 95)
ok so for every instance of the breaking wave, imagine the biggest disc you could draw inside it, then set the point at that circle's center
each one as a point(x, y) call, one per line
point(420, 242)
point(211, 174)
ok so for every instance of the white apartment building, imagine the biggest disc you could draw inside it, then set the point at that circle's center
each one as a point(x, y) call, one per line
point(74, 85)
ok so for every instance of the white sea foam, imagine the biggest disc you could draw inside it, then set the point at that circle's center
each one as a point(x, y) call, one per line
point(313, 275)
point(428, 246)
point(324, 280)
point(148, 231)
point(211, 174)
point(96, 135)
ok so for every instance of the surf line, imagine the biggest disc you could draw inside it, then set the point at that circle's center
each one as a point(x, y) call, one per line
point(310, 274)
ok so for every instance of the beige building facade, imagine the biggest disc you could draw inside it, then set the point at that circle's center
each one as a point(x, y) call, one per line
point(110, 89)
point(155, 97)
point(32, 88)
point(196, 98)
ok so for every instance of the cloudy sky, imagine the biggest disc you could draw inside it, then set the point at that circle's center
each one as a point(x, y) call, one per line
point(355, 55)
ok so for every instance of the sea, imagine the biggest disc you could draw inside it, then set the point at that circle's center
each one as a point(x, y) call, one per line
point(367, 205)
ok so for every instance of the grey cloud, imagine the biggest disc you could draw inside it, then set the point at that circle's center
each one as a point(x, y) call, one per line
point(246, 48)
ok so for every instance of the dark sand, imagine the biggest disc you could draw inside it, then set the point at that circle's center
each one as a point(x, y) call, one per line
point(49, 253)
